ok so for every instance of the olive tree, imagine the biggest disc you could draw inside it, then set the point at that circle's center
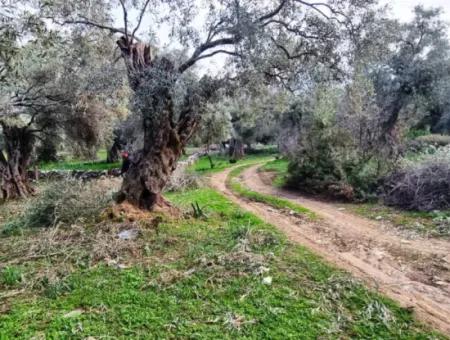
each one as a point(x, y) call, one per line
point(271, 37)
point(411, 77)
point(43, 91)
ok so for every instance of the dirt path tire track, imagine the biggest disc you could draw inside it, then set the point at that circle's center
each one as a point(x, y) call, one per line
point(416, 273)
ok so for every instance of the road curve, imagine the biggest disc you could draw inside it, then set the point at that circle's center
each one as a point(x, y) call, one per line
point(414, 272)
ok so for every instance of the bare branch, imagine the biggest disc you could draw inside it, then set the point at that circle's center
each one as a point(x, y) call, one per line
point(316, 7)
point(288, 28)
point(197, 55)
point(141, 15)
point(289, 56)
point(88, 22)
point(274, 12)
point(125, 18)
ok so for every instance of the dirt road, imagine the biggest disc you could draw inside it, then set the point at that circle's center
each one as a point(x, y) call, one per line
point(414, 272)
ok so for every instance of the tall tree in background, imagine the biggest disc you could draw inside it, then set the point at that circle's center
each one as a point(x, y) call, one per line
point(418, 63)
point(45, 91)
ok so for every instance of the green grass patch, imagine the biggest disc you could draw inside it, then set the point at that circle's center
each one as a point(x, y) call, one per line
point(434, 224)
point(10, 276)
point(206, 279)
point(280, 168)
point(273, 201)
point(203, 165)
point(79, 165)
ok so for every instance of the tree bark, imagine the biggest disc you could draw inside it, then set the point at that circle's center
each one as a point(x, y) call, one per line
point(14, 161)
point(117, 146)
point(236, 150)
point(164, 139)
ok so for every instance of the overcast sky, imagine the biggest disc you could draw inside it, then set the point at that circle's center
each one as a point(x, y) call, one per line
point(402, 9)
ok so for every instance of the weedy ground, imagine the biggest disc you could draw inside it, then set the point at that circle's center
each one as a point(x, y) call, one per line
point(224, 275)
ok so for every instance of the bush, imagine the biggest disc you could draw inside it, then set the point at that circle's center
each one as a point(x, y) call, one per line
point(336, 144)
point(64, 202)
point(423, 186)
point(183, 179)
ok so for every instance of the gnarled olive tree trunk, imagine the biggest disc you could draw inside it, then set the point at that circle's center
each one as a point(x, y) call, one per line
point(152, 80)
point(14, 160)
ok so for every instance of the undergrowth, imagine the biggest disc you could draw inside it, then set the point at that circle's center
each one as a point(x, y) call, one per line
point(227, 275)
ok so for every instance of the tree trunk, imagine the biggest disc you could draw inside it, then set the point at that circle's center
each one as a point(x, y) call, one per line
point(236, 150)
point(152, 81)
point(14, 160)
point(118, 145)
point(113, 155)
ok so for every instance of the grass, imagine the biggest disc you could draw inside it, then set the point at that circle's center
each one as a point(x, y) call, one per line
point(79, 165)
point(273, 201)
point(434, 224)
point(194, 278)
point(280, 168)
point(95, 165)
point(203, 166)
point(204, 279)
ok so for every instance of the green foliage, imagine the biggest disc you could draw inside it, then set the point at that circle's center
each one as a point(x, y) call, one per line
point(197, 211)
point(339, 149)
point(11, 275)
point(204, 279)
point(415, 133)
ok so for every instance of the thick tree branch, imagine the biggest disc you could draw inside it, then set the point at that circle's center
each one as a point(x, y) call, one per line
point(197, 55)
point(274, 12)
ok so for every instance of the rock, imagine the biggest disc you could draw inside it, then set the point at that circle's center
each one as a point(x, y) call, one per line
point(261, 270)
point(267, 281)
point(73, 314)
point(447, 259)
point(379, 218)
point(129, 234)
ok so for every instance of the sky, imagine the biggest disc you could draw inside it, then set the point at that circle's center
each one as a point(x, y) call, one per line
point(402, 9)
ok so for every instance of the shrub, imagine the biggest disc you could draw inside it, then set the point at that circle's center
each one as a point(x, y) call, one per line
point(182, 179)
point(423, 185)
point(339, 147)
point(65, 202)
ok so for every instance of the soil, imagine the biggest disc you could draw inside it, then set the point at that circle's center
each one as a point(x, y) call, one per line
point(414, 271)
